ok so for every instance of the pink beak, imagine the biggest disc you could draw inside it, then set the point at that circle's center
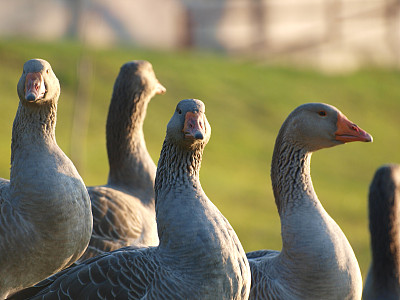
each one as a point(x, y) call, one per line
point(350, 132)
point(34, 87)
point(194, 126)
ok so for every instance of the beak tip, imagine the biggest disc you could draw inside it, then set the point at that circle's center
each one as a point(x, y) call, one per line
point(30, 97)
point(198, 135)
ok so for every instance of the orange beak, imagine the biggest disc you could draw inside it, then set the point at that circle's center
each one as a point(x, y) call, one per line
point(194, 126)
point(160, 89)
point(34, 87)
point(350, 132)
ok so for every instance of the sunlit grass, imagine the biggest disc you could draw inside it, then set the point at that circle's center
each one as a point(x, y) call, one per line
point(246, 103)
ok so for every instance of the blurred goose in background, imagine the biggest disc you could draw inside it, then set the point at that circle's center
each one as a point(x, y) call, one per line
point(383, 280)
point(199, 255)
point(316, 260)
point(45, 214)
point(123, 209)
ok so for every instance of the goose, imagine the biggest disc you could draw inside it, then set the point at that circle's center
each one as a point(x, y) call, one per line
point(316, 260)
point(123, 209)
point(45, 213)
point(199, 255)
point(383, 279)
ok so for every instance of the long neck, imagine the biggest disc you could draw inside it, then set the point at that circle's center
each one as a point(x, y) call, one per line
point(180, 200)
point(130, 163)
point(384, 224)
point(178, 166)
point(194, 235)
point(33, 126)
point(290, 176)
point(36, 158)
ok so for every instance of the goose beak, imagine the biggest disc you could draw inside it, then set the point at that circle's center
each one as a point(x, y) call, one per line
point(347, 131)
point(34, 87)
point(160, 89)
point(194, 126)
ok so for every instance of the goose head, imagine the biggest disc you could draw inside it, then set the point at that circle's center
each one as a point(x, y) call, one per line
point(188, 126)
point(314, 126)
point(38, 84)
point(143, 76)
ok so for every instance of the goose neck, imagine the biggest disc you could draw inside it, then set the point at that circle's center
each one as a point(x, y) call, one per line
point(290, 176)
point(129, 160)
point(178, 167)
point(193, 234)
point(125, 122)
point(33, 125)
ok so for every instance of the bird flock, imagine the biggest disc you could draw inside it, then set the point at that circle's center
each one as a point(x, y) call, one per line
point(151, 232)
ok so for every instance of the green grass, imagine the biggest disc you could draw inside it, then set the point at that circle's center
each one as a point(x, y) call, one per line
point(246, 102)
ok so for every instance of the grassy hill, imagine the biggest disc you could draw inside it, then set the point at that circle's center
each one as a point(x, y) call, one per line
point(246, 103)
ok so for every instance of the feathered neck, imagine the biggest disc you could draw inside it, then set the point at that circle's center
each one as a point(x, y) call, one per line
point(33, 124)
point(185, 216)
point(178, 166)
point(129, 160)
point(290, 174)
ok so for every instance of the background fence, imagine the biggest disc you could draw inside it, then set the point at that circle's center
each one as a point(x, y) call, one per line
point(334, 34)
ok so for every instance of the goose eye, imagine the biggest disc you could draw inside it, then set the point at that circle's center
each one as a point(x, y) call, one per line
point(47, 71)
point(179, 111)
point(322, 113)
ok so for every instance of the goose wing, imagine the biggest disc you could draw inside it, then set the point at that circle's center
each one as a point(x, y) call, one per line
point(116, 222)
point(123, 274)
point(13, 227)
point(264, 283)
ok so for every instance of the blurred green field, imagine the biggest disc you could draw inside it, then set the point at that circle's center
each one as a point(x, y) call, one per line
point(246, 103)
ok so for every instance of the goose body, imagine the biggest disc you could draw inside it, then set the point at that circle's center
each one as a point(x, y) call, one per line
point(316, 260)
point(199, 255)
point(123, 209)
point(383, 280)
point(45, 214)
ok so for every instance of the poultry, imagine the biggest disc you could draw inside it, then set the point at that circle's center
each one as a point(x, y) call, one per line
point(199, 255)
point(316, 260)
point(123, 209)
point(383, 280)
point(45, 219)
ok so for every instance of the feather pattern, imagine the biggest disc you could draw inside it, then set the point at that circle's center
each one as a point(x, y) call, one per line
point(199, 255)
point(45, 219)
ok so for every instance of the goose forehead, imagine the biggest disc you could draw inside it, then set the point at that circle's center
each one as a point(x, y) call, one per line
point(317, 107)
point(191, 105)
point(143, 65)
point(138, 68)
point(140, 64)
point(36, 65)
